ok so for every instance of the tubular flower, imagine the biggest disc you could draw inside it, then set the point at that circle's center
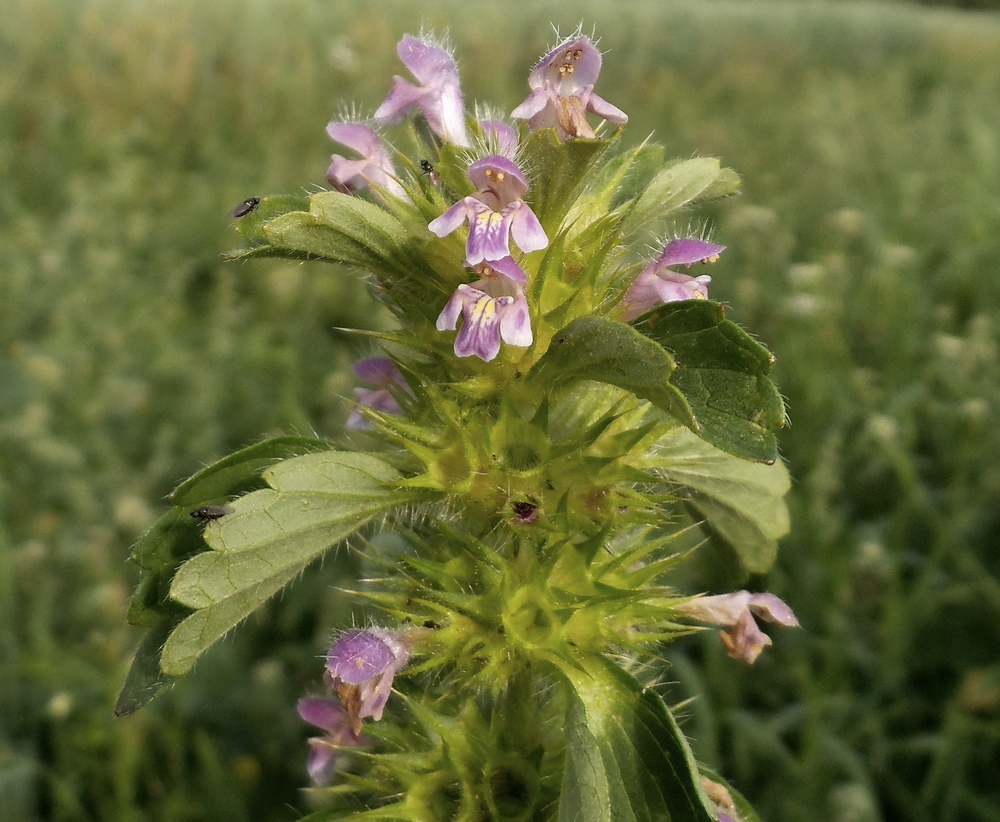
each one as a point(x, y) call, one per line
point(500, 137)
point(374, 167)
point(385, 376)
point(360, 666)
point(325, 751)
point(737, 611)
point(562, 91)
point(438, 96)
point(657, 284)
point(496, 212)
point(494, 309)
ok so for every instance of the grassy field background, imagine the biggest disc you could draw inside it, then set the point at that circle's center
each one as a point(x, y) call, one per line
point(864, 250)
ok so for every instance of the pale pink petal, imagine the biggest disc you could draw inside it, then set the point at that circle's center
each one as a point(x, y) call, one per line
point(533, 104)
point(603, 109)
point(515, 324)
point(448, 318)
point(571, 65)
point(489, 233)
point(402, 98)
point(526, 230)
point(500, 136)
point(454, 217)
point(772, 609)
point(510, 270)
point(500, 176)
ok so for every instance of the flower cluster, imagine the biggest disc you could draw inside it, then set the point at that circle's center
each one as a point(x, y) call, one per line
point(493, 308)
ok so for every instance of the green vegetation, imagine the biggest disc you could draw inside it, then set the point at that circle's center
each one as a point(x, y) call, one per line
point(865, 249)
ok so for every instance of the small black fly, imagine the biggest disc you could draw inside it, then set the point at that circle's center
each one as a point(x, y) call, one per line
point(427, 167)
point(210, 512)
point(244, 208)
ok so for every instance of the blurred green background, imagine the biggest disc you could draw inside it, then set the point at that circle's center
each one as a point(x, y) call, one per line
point(864, 250)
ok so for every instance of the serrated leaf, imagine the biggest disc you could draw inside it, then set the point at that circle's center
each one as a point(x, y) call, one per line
point(558, 171)
point(673, 187)
point(196, 633)
point(315, 502)
point(231, 474)
point(608, 351)
point(175, 535)
point(741, 501)
point(722, 373)
point(626, 759)
point(725, 185)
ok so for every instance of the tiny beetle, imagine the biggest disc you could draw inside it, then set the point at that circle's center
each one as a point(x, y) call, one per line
point(210, 512)
point(245, 207)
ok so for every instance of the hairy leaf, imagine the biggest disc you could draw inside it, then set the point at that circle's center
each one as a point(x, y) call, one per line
point(722, 373)
point(626, 759)
point(175, 537)
point(676, 186)
point(601, 349)
point(741, 501)
point(314, 502)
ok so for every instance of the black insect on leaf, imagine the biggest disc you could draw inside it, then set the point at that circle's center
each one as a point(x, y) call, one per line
point(210, 512)
point(244, 208)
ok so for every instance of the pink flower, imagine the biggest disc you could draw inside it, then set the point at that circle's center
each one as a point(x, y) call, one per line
point(496, 212)
point(494, 309)
point(386, 377)
point(657, 284)
point(438, 96)
point(737, 611)
point(360, 666)
point(325, 751)
point(562, 91)
point(373, 167)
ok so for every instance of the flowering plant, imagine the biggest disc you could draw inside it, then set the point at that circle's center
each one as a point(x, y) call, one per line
point(554, 395)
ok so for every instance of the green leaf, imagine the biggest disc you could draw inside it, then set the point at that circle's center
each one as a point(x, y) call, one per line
point(176, 537)
point(144, 678)
point(741, 501)
point(722, 373)
point(626, 759)
point(558, 170)
point(251, 226)
point(597, 348)
point(675, 186)
point(314, 502)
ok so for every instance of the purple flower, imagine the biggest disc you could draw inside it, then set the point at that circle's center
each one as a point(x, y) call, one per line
point(562, 91)
point(360, 666)
point(736, 611)
point(495, 213)
point(657, 284)
point(385, 376)
point(438, 96)
point(374, 167)
point(325, 751)
point(500, 137)
point(494, 309)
